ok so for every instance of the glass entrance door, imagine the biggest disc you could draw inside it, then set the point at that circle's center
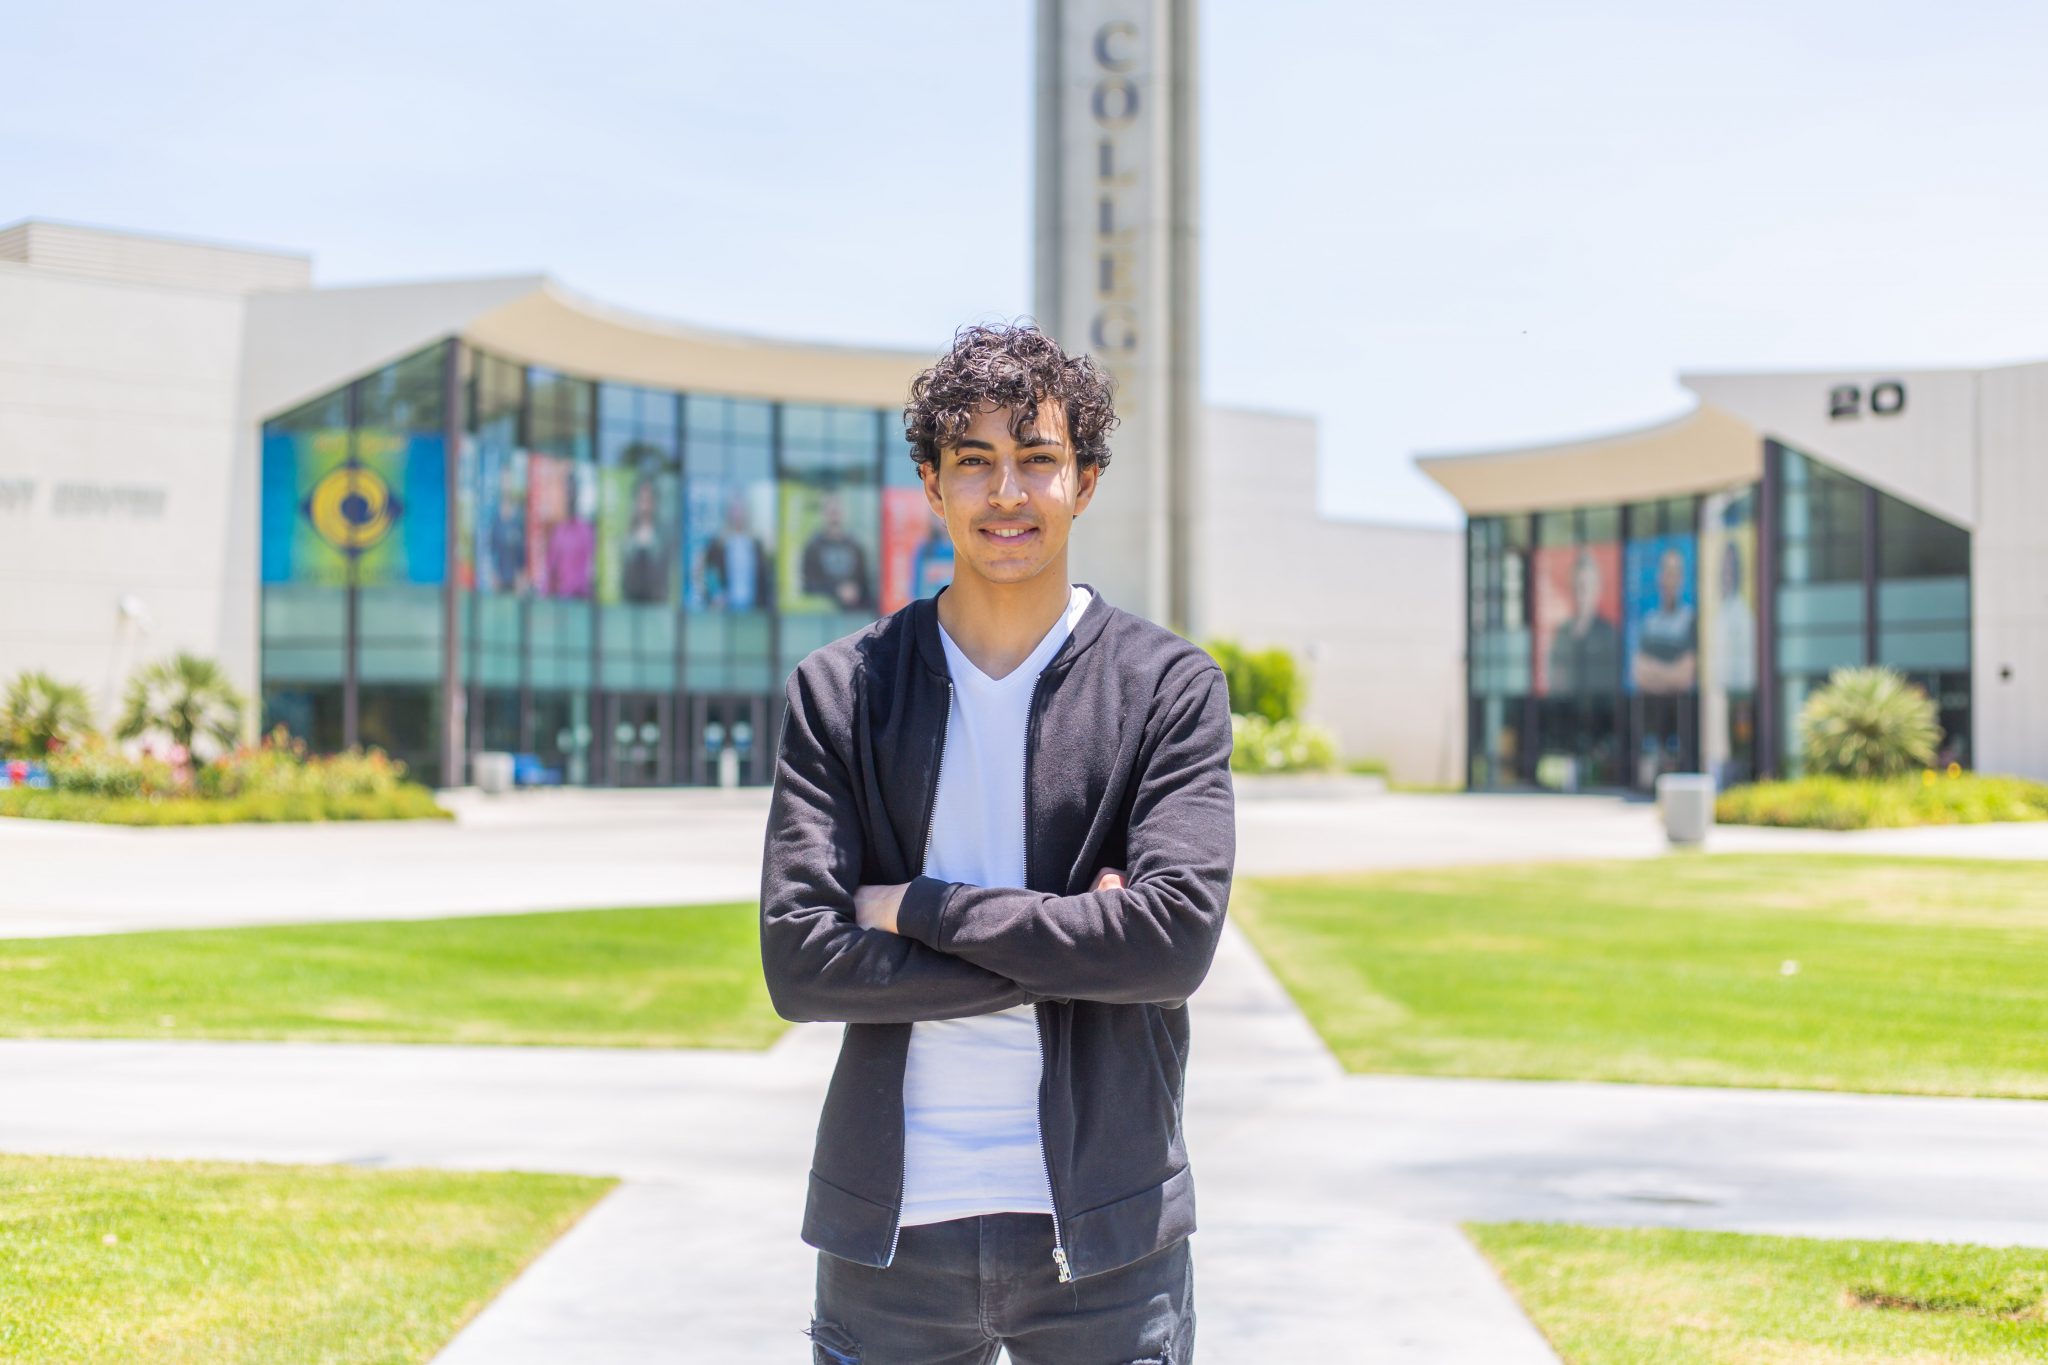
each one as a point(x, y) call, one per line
point(637, 729)
point(1666, 730)
point(727, 738)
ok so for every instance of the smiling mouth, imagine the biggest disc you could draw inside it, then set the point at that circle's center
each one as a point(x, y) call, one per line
point(1009, 534)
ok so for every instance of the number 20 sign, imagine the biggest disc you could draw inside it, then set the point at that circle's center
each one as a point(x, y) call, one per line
point(1887, 399)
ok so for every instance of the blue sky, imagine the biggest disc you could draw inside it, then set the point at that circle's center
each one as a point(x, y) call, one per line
point(1436, 227)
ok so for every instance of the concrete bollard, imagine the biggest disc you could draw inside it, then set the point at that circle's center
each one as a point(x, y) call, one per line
point(492, 772)
point(1686, 800)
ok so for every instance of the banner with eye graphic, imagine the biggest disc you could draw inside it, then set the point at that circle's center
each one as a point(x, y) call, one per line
point(371, 501)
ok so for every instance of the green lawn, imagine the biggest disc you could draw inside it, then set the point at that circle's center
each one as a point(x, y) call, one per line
point(212, 1263)
point(681, 976)
point(1836, 973)
point(1663, 1296)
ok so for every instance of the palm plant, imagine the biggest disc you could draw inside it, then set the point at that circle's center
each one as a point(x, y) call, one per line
point(1868, 722)
point(40, 713)
point(186, 698)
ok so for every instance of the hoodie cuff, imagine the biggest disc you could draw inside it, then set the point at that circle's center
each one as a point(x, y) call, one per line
point(918, 915)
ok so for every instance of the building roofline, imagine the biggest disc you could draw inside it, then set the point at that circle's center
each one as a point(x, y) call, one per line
point(1662, 427)
point(622, 316)
point(170, 238)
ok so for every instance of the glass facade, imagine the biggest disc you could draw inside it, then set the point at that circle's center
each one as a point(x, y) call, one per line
point(355, 561)
point(1609, 644)
point(1867, 579)
point(464, 554)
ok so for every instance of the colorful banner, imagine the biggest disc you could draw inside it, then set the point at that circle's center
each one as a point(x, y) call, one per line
point(383, 506)
point(501, 536)
point(728, 545)
point(466, 476)
point(1663, 625)
point(561, 525)
point(636, 557)
point(828, 547)
point(1728, 639)
point(917, 552)
point(1577, 618)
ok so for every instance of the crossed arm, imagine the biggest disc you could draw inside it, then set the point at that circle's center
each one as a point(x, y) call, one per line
point(874, 907)
point(836, 949)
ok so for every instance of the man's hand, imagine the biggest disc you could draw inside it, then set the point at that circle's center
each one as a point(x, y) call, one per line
point(874, 907)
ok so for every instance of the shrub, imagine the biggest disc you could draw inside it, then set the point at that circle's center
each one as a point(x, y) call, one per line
point(1867, 722)
point(410, 802)
point(186, 698)
point(97, 768)
point(1262, 682)
point(1824, 802)
point(40, 714)
point(1280, 746)
point(1367, 767)
point(269, 782)
point(279, 766)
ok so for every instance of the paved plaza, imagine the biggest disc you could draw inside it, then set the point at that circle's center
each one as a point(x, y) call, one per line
point(1329, 1203)
point(555, 850)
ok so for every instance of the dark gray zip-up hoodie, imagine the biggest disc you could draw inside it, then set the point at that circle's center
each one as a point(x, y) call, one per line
point(1127, 764)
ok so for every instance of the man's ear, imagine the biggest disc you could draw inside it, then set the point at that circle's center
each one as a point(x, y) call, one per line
point(928, 475)
point(1084, 483)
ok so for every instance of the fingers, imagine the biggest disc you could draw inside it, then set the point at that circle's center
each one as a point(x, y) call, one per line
point(1109, 879)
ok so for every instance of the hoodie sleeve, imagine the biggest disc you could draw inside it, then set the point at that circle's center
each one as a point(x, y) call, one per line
point(1150, 941)
point(819, 963)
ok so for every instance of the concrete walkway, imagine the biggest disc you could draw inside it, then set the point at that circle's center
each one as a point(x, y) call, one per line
point(569, 849)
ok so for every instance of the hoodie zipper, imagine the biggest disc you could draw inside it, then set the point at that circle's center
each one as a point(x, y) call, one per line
point(1059, 1249)
point(931, 807)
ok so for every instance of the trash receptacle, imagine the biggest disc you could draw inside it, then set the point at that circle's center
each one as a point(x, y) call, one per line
point(492, 772)
point(1687, 803)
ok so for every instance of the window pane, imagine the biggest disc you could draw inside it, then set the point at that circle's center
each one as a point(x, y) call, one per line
point(1915, 544)
point(406, 395)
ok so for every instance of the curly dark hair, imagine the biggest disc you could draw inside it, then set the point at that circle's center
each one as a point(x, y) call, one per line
point(1017, 367)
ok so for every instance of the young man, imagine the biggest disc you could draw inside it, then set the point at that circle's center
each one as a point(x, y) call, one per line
point(999, 850)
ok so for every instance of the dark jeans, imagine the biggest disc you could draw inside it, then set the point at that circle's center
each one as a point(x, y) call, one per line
point(958, 1290)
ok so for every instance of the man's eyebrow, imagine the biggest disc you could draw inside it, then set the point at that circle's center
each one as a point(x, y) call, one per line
point(975, 443)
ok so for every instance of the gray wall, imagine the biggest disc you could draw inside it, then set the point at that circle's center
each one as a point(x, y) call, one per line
point(2009, 574)
point(120, 478)
point(1374, 612)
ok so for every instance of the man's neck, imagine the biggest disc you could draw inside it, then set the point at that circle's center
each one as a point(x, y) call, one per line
point(997, 625)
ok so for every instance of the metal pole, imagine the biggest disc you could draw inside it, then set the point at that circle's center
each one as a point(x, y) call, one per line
point(453, 704)
point(1768, 518)
point(351, 611)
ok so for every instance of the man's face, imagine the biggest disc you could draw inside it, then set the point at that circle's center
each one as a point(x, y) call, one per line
point(1586, 587)
point(833, 515)
point(1670, 576)
point(1009, 501)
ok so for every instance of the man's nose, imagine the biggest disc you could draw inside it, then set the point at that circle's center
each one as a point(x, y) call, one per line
point(1009, 489)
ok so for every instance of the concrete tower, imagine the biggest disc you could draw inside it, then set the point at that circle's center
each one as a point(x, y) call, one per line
point(1115, 274)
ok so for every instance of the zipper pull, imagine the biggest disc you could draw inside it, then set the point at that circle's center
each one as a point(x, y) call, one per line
point(1059, 1258)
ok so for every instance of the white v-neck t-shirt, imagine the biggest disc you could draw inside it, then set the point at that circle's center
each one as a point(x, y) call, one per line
point(970, 1089)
